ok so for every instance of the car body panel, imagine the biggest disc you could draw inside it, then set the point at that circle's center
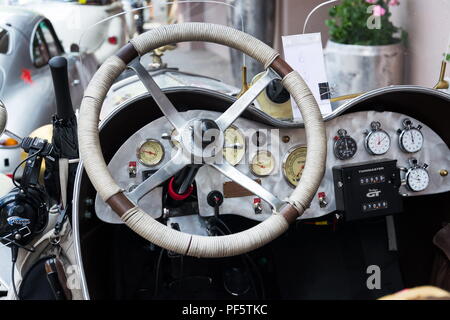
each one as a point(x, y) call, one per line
point(26, 90)
point(76, 24)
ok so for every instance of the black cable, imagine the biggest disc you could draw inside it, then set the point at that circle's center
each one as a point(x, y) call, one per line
point(22, 162)
point(13, 281)
point(14, 253)
point(158, 266)
point(248, 258)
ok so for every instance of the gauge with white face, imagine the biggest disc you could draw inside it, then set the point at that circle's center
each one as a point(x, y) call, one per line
point(150, 153)
point(234, 145)
point(411, 138)
point(417, 179)
point(262, 164)
point(378, 141)
point(294, 164)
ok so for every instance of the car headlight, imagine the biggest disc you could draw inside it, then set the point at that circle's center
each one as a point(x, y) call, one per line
point(8, 142)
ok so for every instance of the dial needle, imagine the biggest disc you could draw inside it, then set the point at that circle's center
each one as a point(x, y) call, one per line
point(151, 153)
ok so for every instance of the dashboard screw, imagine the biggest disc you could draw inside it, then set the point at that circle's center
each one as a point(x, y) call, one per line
point(443, 173)
point(286, 139)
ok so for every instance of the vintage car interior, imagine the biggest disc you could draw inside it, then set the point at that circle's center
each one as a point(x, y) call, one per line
point(165, 184)
point(325, 254)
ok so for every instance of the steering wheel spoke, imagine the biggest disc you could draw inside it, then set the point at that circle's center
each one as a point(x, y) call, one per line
point(159, 177)
point(161, 99)
point(236, 109)
point(231, 172)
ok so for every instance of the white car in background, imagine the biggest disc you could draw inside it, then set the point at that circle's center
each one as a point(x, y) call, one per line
point(74, 22)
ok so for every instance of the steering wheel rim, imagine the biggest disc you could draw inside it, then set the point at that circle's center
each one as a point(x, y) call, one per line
point(141, 222)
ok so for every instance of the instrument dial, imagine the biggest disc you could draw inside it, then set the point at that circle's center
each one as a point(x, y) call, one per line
point(345, 147)
point(417, 179)
point(262, 164)
point(294, 164)
point(410, 139)
point(234, 145)
point(378, 141)
point(150, 153)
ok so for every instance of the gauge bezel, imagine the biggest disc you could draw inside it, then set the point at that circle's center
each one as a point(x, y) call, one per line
point(335, 147)
point(408, 173)
point(402, 134)
point(251, 164)
point(366, 142)
point(245, 145)
point(286, 156)
point(142, 144)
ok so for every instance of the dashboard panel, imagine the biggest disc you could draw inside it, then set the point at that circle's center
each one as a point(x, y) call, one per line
point(274, 156)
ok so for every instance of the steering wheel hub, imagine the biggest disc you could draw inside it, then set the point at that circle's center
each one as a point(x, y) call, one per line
point(202, 140)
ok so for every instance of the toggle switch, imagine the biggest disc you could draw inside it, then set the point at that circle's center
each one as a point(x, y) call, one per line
point(132, 169)
point(322, 199)
point(257, 205)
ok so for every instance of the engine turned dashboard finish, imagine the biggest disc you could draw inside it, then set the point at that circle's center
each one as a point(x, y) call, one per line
point(274, 158)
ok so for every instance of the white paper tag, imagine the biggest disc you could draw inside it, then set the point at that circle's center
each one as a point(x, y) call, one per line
point(304, 53)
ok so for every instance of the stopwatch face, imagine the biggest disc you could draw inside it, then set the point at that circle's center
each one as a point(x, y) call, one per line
point(418, 179)
point(262, 164)
point(294, 164)
point(234, 147)
point(345, 148)
point(411, 140)
point(378, 142)
point(150, 153)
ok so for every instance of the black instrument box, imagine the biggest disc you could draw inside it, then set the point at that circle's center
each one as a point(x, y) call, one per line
point(368, 189)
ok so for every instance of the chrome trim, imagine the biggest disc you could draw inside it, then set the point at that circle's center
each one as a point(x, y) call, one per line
point(286, 156)
point(76, 231)
point(400, 88)
point(139, 149)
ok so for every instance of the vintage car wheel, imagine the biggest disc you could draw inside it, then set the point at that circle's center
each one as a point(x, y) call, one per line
point(124, 204)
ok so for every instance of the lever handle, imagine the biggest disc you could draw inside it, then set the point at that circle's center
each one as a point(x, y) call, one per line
point(58, 67)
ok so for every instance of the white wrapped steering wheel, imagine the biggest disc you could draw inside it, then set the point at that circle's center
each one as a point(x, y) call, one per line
point(126, 204)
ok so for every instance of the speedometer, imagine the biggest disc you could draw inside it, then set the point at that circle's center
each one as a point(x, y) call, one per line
point(293, 165)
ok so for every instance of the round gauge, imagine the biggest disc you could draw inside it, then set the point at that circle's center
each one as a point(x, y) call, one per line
point(378, 141)
point(417, 179)
point(234, 145)
point(345, 147)
point(293, 165)
point(411, 140)
point(262, 164)
point(150, 153)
